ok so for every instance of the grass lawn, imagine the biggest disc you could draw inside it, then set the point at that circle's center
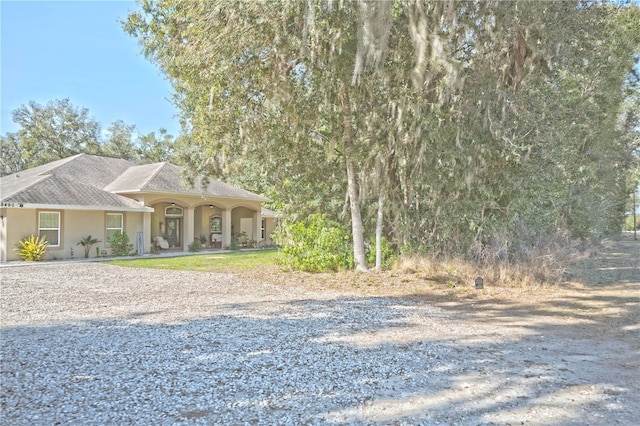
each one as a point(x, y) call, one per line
point(210, 262)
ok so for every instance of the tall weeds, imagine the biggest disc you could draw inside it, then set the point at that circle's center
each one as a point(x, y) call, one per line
point(501, 262)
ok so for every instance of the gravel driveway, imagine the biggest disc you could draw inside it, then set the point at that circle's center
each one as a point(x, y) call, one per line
point(90, 343)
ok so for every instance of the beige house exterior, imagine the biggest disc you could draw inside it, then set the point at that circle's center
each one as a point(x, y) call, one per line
point(70, 199)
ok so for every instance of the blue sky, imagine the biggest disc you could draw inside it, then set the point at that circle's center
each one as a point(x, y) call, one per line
point(78, 50)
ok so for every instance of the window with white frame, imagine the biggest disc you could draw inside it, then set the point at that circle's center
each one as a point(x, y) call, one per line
point(263, 227)
point(114, 224)
point(49, 227)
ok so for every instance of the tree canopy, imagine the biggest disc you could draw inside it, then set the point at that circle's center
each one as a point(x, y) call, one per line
point(463, 124)
point(59, 130)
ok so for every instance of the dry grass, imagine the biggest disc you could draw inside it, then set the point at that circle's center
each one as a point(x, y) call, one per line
point(539, 273)
point(415, 276)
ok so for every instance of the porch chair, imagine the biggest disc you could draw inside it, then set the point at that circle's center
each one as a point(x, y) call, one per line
point(162, 243)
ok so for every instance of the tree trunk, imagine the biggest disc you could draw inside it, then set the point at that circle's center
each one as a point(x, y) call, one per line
point(352, 188)
point(379, 227)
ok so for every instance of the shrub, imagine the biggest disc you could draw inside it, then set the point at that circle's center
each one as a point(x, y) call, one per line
point(86, 242)
point(315, 245)
point(194, 246)
point(120, 245)
point(32, 248)
point(388, 254)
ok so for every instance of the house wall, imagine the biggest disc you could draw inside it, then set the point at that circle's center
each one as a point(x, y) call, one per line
point(75, 225)
point(237, 215)
point(19, 223)
point(79, 224)
point(134, 223)
point(3, 235)
point(270, 226)
point(203, 213)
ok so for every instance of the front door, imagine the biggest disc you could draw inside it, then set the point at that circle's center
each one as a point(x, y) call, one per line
point(173, 232)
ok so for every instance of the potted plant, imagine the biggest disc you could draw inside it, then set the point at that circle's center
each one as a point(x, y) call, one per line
point(203, 241)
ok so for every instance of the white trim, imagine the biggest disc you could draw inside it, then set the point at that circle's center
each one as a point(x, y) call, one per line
point(58, 229)
point(107, 229)
point(72, 207)
point(174, 214)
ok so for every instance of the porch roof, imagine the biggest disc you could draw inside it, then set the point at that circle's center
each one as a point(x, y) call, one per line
point(165, 178)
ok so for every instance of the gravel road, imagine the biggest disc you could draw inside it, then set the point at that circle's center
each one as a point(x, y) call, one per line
point(94, 344)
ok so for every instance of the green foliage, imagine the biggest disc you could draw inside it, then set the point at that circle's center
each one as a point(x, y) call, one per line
point(119, 141)
point(195, 246)
point(120, 245)
point(54, 131)
point(155, 149)
point(494, 124)
point(87, 242)
point(628, 222)
point(32, 248)
point(315, 245)
point(59, 129)
point(388, 254)
point(11, 159)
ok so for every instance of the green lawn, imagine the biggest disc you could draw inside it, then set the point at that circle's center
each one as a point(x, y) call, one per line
point(210, 262)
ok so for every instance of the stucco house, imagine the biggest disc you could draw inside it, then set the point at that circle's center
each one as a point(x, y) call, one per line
point(83, 195)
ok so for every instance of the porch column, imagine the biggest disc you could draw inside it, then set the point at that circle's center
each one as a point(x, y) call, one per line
point(257, 225)
point(189, 223)
point(226, 227)
point(146, 231)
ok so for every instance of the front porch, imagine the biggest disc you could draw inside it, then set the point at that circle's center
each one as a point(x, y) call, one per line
point(175, 225)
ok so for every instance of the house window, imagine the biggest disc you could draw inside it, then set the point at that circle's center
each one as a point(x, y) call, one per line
point(49, 227)
point(215, 225)
point(173, 211)
point(114, 224)
point(264, 226)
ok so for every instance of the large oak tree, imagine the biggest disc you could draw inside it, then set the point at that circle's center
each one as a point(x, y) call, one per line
point(465, 124)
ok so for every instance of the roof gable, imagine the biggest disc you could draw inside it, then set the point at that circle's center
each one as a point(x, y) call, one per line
point(165, 177)
point(134, 178)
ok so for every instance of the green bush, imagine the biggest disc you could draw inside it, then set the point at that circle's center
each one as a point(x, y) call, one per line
point(388, 255)
point(32, 248)
point(315, 245)
point(628, 222)
point(120, 245)
point(86, 242)
point(195, 246)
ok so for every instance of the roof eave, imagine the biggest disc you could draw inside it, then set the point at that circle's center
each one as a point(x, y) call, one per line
point(12, 205)
point(193, 194)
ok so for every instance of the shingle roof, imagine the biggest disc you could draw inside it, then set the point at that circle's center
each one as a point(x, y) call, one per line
point(54, 190)
point(134, 178)
point(165, 177)
point(72, 181)
point(269, 213)
point(91, 180)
